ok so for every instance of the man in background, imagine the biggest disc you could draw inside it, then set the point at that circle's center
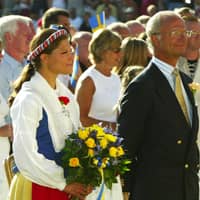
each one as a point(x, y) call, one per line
point(57, 16)
point(16, 33)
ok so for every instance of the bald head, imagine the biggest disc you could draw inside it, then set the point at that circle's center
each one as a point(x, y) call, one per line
point(82, 38)
point(120, 28)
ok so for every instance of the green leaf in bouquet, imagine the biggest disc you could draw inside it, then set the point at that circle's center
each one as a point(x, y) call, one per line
point(110, 181)
point(126, 161)
point(109, 177)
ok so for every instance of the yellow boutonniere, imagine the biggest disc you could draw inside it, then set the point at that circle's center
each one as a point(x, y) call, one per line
point(194, 87)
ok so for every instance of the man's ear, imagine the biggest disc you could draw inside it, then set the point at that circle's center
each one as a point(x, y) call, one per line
point(8, 36)
point(155, 40)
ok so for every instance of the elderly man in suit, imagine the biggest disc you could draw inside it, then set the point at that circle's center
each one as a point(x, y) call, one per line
point(159, 120)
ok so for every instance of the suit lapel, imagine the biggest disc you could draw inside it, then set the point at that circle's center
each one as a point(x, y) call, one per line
point(167, 94)
point(186, 81)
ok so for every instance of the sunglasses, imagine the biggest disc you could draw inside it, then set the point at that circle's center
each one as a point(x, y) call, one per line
point(193, 33)
point(116, 50)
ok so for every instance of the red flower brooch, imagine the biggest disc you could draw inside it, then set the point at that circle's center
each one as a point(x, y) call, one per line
point(63, 100)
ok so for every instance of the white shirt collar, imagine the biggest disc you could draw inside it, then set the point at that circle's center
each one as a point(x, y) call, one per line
point(163, 66)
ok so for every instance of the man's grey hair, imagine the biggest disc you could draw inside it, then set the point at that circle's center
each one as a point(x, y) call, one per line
point(154, 24)
point(9, 24)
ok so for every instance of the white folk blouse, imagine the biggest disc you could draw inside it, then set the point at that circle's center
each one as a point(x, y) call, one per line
point(35, 96)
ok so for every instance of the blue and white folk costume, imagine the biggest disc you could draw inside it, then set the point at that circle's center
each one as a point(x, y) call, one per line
point(41, 124)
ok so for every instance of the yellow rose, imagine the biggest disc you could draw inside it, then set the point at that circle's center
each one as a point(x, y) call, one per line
point(74, 162)
point(120, 151)
point(99, 130)
point(91, 152)
point(95, 161)
point(103, 143)
point(90, 143)
point(111, 138)
point(83, 134)
point(113, 151)
point(96, 127)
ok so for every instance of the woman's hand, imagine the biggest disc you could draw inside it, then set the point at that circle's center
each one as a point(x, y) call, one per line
point(78, 190)
point(6, 131)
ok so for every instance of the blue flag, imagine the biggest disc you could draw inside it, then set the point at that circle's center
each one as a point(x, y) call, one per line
point(97, 21)
point(74, 75)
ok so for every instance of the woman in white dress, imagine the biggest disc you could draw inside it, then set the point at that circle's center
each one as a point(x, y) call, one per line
point(98, 91)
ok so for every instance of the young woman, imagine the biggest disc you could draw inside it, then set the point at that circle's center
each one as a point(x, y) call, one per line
point(135, 51)
point(98, 89)
point(41, 121)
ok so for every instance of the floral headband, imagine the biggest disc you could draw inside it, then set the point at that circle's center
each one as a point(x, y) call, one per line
point(60, 30)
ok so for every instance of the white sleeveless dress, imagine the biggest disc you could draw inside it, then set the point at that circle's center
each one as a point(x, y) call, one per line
point(106, 94)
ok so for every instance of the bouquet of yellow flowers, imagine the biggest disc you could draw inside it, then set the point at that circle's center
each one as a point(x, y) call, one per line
point(94, 155)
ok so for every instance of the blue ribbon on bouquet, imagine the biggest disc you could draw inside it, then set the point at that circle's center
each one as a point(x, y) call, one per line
point(101, 192)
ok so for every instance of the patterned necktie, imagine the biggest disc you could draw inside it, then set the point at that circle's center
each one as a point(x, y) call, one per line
point(179, 93)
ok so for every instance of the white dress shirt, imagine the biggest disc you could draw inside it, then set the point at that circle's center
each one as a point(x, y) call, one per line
point(10, 69)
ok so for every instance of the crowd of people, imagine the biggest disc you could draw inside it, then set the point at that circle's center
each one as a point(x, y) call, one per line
point(135, 76)
point(115, 10)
